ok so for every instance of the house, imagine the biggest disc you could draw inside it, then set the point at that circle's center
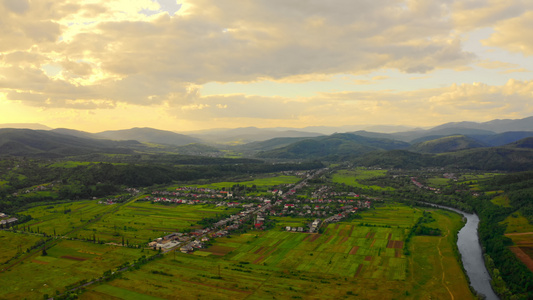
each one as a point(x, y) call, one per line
point(186, 249)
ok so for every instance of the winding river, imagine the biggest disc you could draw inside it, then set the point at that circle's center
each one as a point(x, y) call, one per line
point(472, 256)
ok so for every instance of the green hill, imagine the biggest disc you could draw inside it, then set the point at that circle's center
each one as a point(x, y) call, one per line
point(333, 147)
point(523, 143)
point(446, 144)
point(41, 143)
point(149, 135)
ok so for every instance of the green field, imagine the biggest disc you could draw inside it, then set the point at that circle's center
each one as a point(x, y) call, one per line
point(516, 223)
point(13, 243)
point(438, 182)
point(140, 222)
point(436, 273)
point(66, 263)
point(347, 260)
point(58, 218)
point(258, 182)
point(353, 178)
point(501, 201)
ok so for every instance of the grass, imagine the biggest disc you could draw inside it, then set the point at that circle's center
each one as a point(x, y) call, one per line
point(58, 218)
point(501, 201)
point(140, 222)
point(66, 263)
point(13, 243)
point(438, 182)
point(259, 182)
point(353, 178)
point(347, 260)
point(70, 164)
point(436, 273)
point(516, 223)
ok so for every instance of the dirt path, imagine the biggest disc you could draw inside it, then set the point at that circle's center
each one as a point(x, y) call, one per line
point(442, 265)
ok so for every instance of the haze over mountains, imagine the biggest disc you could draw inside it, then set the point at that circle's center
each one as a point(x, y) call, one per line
point(494, 144)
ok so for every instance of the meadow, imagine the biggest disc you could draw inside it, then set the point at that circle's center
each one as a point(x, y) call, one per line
point(66, 263)
point(353, 178)
point(260, 183)
point(62, 218)
point(517, 223)
point(140, 222)
point(362, 258)
point(13, 243)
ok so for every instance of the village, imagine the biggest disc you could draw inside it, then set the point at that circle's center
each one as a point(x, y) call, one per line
point(6, 220)
point(323, 207)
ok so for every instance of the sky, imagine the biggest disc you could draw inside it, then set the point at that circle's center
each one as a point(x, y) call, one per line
point(186, 65)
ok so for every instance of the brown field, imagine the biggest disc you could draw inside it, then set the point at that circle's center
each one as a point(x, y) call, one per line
point(524, 247)
point(39, 262)
point(395, 244)
point(354, 250)
point(359, 268)
point(523, 256)
point(314, 237)
point(74, 258)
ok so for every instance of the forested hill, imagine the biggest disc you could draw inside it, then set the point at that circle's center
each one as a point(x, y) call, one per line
point(333, 147)
point(41, 143)
point(447, 144)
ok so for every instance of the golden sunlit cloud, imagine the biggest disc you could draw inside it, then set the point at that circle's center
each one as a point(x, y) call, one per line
point(101, 57)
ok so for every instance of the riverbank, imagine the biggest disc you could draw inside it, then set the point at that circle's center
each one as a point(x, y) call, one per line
point(472, 254)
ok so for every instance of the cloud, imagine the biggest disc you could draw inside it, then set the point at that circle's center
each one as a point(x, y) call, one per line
point(492, 64)
point(111, 52)
point(515, 35)
point(472, 14)
point(457, 102)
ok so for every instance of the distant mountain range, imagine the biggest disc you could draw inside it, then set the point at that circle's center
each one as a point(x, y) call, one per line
point(149, 135)
point(464, 144)
point(42, 143)
point(34, 126)
point(248, 134)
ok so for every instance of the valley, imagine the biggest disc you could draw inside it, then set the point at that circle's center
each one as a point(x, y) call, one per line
point(334, 217)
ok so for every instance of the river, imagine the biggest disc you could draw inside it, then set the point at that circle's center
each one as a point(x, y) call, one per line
point(472, 256)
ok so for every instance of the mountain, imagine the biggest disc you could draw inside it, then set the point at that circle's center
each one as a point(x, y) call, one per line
point(149, 135)
point(41, 143)
point(446, 144)
point(248, 134)
point(270, 144)
point(525, 124)
point(526, 143)
point(397, 159)
point(410, 136)
point(488, 159)
point(333, 147)
point(504, 138)
point(34, 126)
point(76, 133)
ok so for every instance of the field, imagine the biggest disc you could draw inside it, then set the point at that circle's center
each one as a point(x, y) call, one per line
point(259, 182)
point(62, 218)
point(140, 222)
point(66, 263)
point(516, 223)
point(438, 182)
point(436, 273)
point(352, 178)
point(347, 260)
point(501, 201)
point(520, 231)
point(13, 243)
